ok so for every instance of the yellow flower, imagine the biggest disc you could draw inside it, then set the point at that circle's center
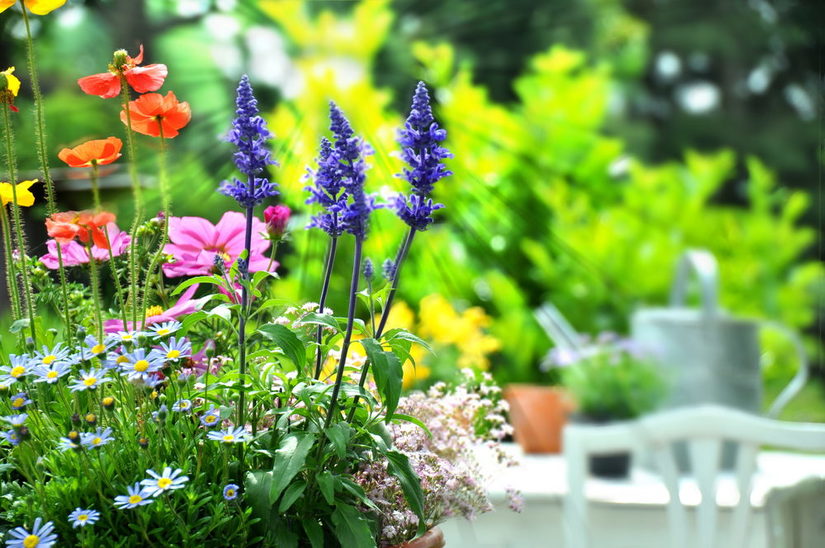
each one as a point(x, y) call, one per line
point(37, 7)
point(12, 83)
point(24, 196)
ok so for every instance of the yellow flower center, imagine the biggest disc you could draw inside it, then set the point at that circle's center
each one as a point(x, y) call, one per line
point(121, 359)
point(48, 360)
point(98, 348)
point(90, 381)
point(210, 419)
point(154, 311)
point(82, 517)
point(141, 366)
point(31, 541)
point(172, 354)
point(162, 331)
point(230, 492)
point(228, 438)
point(108, 400)
point(97, 441)
point(134, 499)
point(17, 371)
point(18, 402)
point(51, 375)
point(163, 483)
point(126, 337)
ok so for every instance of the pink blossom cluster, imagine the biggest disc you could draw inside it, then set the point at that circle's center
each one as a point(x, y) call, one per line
point(462, 420)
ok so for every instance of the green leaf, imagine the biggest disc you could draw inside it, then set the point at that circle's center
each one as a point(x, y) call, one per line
point(292, 493)
point(405, 335)
point(214, 280)
point(257, 486)
point(413, 420)
point(288, 341)
point(388, 373)
point(351, 528)
point(326, 484)
point(289, 459)
point(314, 532)
point(339, 434)
point(321, 319)
point(399, 466)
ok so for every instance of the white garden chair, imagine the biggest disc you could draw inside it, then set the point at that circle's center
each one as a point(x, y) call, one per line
point(703, 429)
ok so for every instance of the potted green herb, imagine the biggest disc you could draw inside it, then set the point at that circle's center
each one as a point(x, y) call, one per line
point(610, 380)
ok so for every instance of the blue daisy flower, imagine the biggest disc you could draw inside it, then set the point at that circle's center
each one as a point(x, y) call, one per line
point(41, 536)
point(211, 417)
point(51, 373)
point(137, 496)
point(20, 401)
point(230, 435)
point(89, 380)
point(167, 481)
point(164, 329)
point(182, 406)
point(82, 518)
point(18, 368)
point(230, 492)
point(98, 438)
point(138, 366)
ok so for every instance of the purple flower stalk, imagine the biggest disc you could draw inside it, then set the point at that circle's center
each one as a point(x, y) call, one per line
point(249, 134)
point(327, 191)
point(423, 154)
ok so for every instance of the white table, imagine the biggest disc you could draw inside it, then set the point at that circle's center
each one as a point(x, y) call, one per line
point(624, 513)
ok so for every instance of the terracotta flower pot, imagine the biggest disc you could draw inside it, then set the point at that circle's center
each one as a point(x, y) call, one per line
point(433, 538)
point(538, 415)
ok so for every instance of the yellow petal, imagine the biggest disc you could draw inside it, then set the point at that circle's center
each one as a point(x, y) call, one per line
point(42, 7)
point(24, 197)
point(12, 83)
point(6, 4)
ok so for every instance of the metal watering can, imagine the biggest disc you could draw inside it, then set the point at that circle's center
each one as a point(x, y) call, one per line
point(708, 355)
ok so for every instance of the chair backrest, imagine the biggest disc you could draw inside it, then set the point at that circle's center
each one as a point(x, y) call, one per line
point(704, 429)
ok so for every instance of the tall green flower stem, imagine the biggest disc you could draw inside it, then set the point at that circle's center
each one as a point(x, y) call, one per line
point(319, 358)
point(118, 289)
point(28, 294)
point(244, 314)
point(11, 270)
point(399, 261)
point(353, 291)
point(95, 282)
point(137, 197)
point(42, 156)
point(166, 206)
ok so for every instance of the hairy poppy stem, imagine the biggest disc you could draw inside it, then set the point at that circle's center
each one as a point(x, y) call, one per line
point(11, 271)
point(112, 268)
point(28, 293)
point(40, 140)
point(137, 196)
point(95, 282)
point(319, 357)
point(166, 207)
point(353, 291)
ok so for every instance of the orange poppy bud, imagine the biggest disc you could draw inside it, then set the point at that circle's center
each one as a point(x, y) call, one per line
point(142, 79)
point(98, 151)
point(151, 112)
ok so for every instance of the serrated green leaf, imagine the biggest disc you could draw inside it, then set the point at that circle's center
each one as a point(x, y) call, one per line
point(399, 466)
point(314, 531)
point(291, 494)
point(326, 484)
point(351, 528)
point(388, 373)
point(289, 342)
point(289, 459)
point(339, 434)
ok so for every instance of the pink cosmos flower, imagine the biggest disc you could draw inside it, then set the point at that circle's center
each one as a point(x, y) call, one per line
point(196, 243)
point(74, 253)
point(185, 305)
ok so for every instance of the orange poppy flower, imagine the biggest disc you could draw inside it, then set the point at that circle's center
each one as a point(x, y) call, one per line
point(151, 111)
point(99, 151)
point(83, 225)
point(142, 79)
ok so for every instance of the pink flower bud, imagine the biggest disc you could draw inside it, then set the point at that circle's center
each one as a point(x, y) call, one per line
point(276, 219)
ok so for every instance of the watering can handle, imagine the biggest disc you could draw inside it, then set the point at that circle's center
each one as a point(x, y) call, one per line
point(703, 264)
point(801, 377)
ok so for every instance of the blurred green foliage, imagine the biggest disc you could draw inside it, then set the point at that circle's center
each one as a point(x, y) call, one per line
point(551, 199)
